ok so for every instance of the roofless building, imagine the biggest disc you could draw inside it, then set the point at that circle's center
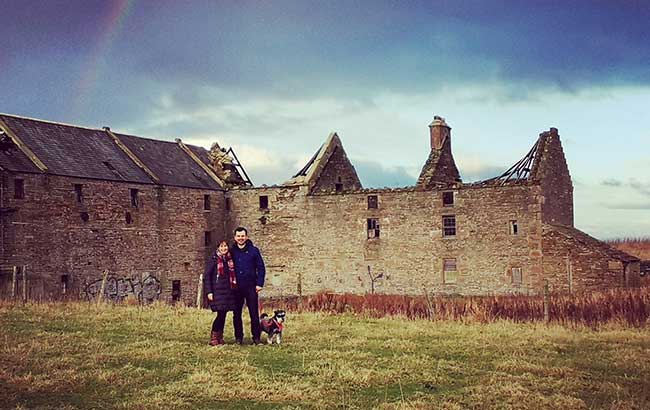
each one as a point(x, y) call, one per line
point(80, 204)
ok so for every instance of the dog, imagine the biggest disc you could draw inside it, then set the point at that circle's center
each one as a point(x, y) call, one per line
point(273, 326)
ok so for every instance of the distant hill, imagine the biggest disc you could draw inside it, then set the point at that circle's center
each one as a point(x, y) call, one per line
point(639, 247)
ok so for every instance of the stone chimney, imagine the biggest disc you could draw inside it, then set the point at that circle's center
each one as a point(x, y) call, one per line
point(439, 132)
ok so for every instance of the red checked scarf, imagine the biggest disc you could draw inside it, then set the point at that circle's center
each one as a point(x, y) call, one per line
point(231, 268)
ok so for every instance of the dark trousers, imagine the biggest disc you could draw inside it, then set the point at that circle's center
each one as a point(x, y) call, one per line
point(248, 295)
point(219, 321)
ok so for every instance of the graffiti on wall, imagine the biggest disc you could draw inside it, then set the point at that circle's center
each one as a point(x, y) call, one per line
point(116, 289)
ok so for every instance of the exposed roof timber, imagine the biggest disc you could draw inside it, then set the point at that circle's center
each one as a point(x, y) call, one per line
point(131, 155)
point(23, 147)
point(519, 171)
point(305, 169)
point(196, 159)
point(239, 166)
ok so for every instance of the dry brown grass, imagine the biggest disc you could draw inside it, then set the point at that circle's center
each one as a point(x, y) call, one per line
point(630, 307)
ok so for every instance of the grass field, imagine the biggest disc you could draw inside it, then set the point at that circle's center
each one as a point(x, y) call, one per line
point(79, 356)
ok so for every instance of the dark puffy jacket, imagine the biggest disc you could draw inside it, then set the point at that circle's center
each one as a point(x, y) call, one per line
point(223, 297)
point(249, 266)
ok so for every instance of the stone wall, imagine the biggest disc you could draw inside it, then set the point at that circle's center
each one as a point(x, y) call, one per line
point(320, 242)
point(338, 172)
point(164, 239)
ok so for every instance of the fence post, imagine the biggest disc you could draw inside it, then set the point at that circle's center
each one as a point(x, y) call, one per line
point(14, 285)
point(102, 288)
point(547, 317)
point(24, 283)
point(199, 293)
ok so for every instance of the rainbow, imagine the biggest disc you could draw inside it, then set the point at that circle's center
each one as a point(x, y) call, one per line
point(111, 27)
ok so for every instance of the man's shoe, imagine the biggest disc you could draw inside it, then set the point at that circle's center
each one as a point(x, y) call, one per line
point(257, 341)
point(239, 341)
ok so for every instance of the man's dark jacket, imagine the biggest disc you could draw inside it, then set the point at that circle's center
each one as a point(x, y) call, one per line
point(249, 266)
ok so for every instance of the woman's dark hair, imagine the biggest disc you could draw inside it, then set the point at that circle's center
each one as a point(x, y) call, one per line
point(240, 229)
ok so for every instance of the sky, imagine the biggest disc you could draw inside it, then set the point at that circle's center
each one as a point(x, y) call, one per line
point(273, 78)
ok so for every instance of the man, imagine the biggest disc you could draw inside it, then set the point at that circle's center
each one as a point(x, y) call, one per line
point(250, 272)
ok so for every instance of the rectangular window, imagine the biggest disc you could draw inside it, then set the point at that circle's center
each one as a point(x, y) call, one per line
point(228, 205)
point(373, 228)
point(208, 238)
point(449, 271)
point(449, 225)
point(206, 202)
point(448, 198)
point(372, 202)
point(514, 228)
point(78, 192)
point(134, 197)
point(176, 290)
point(19, 189)
point(517, 276)
point(264, 202)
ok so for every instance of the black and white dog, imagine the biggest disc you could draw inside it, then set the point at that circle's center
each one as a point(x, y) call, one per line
point(272, 326)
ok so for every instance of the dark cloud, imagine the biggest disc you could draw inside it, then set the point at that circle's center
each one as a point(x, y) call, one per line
point(640, 187)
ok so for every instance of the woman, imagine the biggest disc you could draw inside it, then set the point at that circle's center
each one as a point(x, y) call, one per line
point(220, 283)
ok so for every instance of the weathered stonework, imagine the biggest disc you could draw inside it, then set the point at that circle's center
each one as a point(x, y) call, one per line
point(73, 220)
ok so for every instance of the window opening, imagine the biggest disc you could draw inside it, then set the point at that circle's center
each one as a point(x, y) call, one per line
point(449, 270)
point(517, 276)
point(373, 228)
point(264, 202)
point(19, 188)
point(134, 197)
point(448, 198)
point(514, 227)
point(206, 202)
point(372, 202)
point(78, 191)
point(208, 238)
point(449, 225)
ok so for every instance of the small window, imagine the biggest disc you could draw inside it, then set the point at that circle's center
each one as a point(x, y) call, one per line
point(517, 276)
point(84, 216)
point(208, 238)
point(448, 198)
point(19, 188)
point(338, 186)
point(372, 202)
point(373, 228)
point(78, 192)
point(65, 284)
point(134, 198)
point(206, 202)
point(176, 290)
point(514, 228)
point(128, 218)
point(264, 202)
point(449, 225)
point(228, 205)
point(449, 271)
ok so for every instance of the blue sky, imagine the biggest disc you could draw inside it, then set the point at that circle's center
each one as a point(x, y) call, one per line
point(273, 78)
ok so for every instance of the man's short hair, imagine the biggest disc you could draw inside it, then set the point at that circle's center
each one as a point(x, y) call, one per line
point(240, 229)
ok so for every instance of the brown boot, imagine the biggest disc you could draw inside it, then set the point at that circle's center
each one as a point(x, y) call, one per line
point(214, 338)
point(220, 340)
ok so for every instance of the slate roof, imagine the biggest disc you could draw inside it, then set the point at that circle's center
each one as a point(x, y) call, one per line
point(71, 150)
point(75, 151)
point(169, 162)
point(592, 242)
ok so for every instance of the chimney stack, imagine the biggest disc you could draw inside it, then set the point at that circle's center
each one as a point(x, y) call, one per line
point(439, 131)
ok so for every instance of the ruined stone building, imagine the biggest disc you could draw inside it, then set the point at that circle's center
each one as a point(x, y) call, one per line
point(79, 204)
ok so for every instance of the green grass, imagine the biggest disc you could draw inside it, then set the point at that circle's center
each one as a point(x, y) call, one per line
point(81, 356)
